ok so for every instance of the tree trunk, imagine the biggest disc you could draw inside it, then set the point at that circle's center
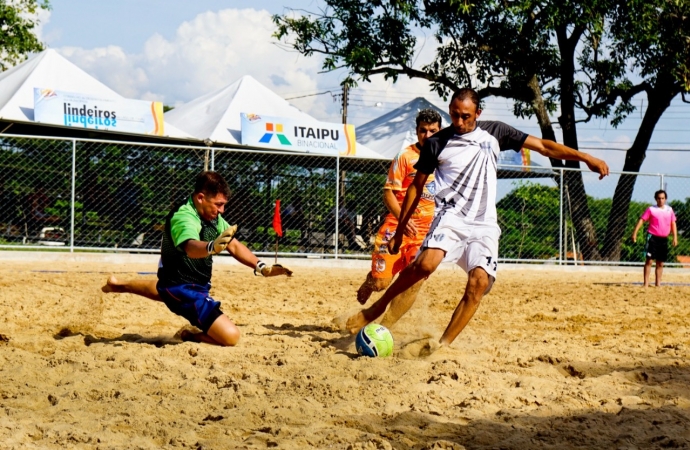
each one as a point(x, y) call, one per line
point(544, 121)
point(542, 114)
point(581, 217)
point(659, 99)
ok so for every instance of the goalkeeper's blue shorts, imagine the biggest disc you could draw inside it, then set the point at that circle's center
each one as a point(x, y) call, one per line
point(192, 302)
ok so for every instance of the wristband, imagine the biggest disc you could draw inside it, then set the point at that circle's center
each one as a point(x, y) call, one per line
point(209, 247)
point(257, 270)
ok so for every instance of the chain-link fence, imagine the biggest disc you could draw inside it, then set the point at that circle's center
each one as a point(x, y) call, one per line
point(572, 217)
point(114, 196)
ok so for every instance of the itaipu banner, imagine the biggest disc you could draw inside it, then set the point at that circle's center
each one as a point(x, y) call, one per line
point(282, 133)
point(72, 109)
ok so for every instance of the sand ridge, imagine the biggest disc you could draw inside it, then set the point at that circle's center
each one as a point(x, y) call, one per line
point(551, 360)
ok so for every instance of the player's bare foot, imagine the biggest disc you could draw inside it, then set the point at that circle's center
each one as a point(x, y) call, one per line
point(189, 336)
point(356, 323)
point(112, 285)
point(370, 286)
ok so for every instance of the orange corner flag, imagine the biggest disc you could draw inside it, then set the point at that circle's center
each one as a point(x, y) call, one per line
point(277, 224)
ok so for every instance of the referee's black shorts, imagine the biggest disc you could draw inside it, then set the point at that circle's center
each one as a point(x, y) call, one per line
point(656, 248)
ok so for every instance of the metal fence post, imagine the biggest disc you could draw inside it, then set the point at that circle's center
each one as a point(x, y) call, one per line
point(213, 158)
point(560, 221)
point(74, 188)
point(337, 203)
point(661, 181)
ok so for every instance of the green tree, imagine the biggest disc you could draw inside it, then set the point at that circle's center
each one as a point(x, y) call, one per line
point(542, 54)
point(682, 211)
point(654, 39)
point(529, 232)
point(18, 20)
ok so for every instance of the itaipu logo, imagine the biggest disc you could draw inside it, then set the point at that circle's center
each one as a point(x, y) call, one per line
point(276, 129)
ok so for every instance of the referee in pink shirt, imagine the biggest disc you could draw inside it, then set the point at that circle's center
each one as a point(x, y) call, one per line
point(662, 221)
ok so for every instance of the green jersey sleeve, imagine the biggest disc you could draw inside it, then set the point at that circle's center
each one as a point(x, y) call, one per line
point(184, 225)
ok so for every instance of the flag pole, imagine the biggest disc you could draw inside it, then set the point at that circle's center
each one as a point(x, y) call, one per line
point(277, 227)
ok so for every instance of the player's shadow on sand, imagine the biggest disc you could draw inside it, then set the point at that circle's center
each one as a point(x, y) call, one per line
point(650, 412)
point(158, 341)
point(342, 342)
point(672, 377)
point(626, 428)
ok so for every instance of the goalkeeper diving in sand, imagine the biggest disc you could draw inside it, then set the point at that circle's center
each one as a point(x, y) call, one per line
point(194, 232)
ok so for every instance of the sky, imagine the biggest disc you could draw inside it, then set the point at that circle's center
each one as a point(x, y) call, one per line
point(176, 50)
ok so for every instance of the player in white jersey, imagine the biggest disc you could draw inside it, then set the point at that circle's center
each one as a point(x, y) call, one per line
point(465, 229)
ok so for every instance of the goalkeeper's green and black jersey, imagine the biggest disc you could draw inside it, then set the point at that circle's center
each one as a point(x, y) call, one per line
point(182, 224)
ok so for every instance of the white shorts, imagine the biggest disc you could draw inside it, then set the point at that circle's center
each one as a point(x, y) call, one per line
point(467, 245)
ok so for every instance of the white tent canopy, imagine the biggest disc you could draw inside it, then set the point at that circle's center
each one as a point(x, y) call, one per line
point(50, 70)
point(394, 131)
point(216, 116)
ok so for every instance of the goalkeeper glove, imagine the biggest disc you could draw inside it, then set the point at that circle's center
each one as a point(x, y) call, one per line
point(271, 271)
point(221, 242)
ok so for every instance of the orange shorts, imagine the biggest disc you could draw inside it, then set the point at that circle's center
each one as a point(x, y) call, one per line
point(385, 265)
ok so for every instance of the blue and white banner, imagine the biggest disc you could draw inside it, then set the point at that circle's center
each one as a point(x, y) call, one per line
point(283, 133)
point(72, 109)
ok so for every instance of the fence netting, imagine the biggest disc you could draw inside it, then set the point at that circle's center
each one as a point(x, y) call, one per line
point(113, 196)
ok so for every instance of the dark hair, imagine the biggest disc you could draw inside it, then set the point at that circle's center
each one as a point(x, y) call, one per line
point(429, 115)
point(660, 191)
point(211, 184)
point(464, 94)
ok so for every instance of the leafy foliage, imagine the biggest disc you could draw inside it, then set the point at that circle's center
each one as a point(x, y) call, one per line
point(529, 232)
point(496, 45)
point(574, 56)
point(18, 21)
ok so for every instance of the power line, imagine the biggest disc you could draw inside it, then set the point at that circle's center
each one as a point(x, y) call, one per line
point(331, 88)
point(311, 95)
point(386, 99)
point(401, 94)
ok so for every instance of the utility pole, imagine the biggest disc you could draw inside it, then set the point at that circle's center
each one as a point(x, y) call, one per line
point(340, 198)
point(346, 87)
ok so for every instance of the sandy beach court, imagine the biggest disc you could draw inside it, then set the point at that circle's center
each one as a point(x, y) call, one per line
point(552, 359)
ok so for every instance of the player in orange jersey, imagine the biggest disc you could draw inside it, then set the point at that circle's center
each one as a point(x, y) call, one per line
point(385, 266)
